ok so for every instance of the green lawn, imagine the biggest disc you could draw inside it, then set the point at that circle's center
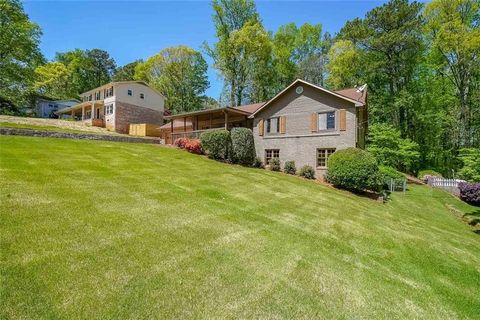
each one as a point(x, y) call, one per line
point(93, 229)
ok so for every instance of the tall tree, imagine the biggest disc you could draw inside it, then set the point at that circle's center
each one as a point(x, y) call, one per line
point(19, 51)
point(454, 33)
point(391, 38)
point(89, 68)
point(300, 53)
point(180, 73)
point(230, 16)
point(126, 72)
point(54, 80)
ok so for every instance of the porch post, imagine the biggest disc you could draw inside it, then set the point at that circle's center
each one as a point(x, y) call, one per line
point(83, 113)
point(210, 126)
point(226, 120)
point(93, 111)
point(184, 127)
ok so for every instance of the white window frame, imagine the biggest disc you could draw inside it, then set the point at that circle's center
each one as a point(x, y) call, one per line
point(320, 119)
point(269, 125)
point(130, 92)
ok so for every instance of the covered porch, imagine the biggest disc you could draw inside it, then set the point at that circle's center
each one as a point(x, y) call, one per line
point(192, 124)
point(89, 112)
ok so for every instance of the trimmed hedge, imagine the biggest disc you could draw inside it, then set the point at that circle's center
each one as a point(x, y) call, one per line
point(470, 192)
point(389, 172)
point(354, 169)
point(289, 167)
point(307, 172)
point(243, 146)
point(216, 143)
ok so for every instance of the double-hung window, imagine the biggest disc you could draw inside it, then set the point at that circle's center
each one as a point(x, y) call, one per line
point(326, 121)
point(142, 96)
point(323, 155)
point(109, 109)
point(130, 92)
point(271, 154)
point(273, 125)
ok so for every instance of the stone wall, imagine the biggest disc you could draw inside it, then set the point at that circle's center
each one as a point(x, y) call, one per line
point(125, 114)
point(73, 135)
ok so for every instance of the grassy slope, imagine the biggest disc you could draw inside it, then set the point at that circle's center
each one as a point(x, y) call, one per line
point(93, 229)
point(47, 128)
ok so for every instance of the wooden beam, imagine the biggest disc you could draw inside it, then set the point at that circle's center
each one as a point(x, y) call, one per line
point(184, 124)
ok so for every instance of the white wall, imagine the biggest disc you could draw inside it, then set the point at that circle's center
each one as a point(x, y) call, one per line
point(152, 99)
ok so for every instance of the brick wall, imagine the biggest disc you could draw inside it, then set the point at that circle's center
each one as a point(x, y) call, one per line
point(125, 114)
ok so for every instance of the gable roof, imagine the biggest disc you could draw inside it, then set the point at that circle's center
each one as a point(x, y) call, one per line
point(354, 94)
point(251, 108)
point(336, 94)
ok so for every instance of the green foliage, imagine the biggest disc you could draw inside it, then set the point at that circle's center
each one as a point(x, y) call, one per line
point(257, 163)
point(274, 164)
point(307, 172)
point(354, 169)
point(389, 172)
point(386, 144)
point(343, 55)
point(470, 170)
point(180, 73)
point(53, 80)
point(19, 55)
point(300, 52)
point(242, 53)
point(216, 144)
point(423, 173)
point(243, 146)
point(126, 72)
point(87, 69)
point(289, 167)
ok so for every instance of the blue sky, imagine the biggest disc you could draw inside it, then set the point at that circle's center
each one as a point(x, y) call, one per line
point(131, 30)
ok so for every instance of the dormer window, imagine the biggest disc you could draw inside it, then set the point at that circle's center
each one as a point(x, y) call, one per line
point(142, 96)
point(130, 92)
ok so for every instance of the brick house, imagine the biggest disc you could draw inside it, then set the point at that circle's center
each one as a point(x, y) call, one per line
point(116, 105)
point(304, 122)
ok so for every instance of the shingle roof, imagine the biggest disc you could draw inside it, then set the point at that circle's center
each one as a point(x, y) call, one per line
point(352, 93)
point(250, 107)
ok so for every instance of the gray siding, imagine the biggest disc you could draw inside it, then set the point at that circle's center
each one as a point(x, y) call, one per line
point(298, 143)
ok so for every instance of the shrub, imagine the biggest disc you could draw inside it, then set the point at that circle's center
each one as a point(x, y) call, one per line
point(289, 167)
point(390, 149)
point(274, 164)
point(424, 174)
point(354, 169)
point(307, 172)
point(389, 172)
point(257, 163)
point(194, 146)
point(243, 146)
point(180, 142)
point(216, 143)
point(470, 192)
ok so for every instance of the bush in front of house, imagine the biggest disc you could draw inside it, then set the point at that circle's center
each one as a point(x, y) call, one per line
point(257, 163)
point(289, 167)
point(354, 169)
point(180, 142)
point(194, 146)
point(307, 172)
point(243, 146)
point(470, 192)
point(274, 164)
point(216, 143)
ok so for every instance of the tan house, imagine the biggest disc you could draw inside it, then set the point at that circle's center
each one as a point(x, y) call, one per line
point(116, 105)
point(307, 123)
point(304, 122)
